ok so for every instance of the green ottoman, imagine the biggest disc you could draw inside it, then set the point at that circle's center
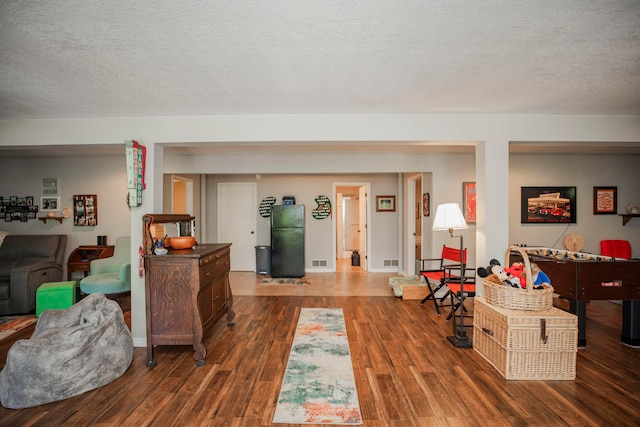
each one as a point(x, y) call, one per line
point(55, 296)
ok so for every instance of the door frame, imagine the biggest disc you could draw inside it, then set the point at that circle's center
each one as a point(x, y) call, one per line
point(410, 221)
point(364, 261)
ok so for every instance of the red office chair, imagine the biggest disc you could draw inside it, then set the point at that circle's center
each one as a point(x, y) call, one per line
point(616, 248)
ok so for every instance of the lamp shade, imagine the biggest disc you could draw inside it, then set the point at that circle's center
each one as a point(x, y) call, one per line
point(448, 217)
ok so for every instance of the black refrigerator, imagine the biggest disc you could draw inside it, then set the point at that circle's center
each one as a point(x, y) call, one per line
point(287, 241)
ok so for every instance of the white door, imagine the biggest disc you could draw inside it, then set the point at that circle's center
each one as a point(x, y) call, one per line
point(237, 216)
point(351, 224)
point(363, 223)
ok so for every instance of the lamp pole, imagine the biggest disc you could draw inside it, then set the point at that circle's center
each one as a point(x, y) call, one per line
point(459, 338)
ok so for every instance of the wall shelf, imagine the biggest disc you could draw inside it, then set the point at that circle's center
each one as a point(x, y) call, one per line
point(55, 218)
point(627, 217)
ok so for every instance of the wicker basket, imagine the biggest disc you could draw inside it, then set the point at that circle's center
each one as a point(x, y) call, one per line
point(531, 345)
point(516, 298)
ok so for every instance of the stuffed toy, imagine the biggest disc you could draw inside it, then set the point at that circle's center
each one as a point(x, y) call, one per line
point(539, 278)
point(516, 270)
point(496, 274)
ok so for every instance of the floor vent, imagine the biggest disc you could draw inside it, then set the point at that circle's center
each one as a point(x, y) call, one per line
point(390, 262)
point(319, 263)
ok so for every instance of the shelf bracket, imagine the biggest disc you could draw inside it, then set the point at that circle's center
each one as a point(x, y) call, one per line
point(45, 218)
point(627, 217)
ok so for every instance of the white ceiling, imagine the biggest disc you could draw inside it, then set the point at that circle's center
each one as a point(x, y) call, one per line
point(122, 58)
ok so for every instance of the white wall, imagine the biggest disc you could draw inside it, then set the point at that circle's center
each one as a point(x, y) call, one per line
point(584, 172)
point(104, 176)
point(489, 133)
point(319, 233)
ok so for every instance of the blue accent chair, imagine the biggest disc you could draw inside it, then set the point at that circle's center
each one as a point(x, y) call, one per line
point(110, 276)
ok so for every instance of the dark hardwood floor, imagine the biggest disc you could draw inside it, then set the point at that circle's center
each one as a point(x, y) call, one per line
point(407, 373)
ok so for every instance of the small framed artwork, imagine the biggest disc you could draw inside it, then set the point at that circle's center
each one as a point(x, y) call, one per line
point(469, 201)
point(385, 203)
point(49, 186)
point(425, 204)
point(605, 200)
point(50, 203)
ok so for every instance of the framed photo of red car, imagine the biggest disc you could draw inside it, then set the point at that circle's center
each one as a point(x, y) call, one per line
point(605, 200)
point(548, 205)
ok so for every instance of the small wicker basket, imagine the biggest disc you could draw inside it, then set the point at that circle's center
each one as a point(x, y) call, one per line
point(515, 298)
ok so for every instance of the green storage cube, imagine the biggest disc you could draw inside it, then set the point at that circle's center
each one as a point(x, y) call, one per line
point(55, 296)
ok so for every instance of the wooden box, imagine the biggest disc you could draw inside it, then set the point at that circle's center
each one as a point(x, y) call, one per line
point(526, 345)
point(413, 292)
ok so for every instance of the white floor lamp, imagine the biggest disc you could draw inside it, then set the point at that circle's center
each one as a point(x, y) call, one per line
point(449, 217)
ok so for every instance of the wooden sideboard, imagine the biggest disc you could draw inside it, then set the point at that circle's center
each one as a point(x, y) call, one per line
point(187, 292)
point(81, 257)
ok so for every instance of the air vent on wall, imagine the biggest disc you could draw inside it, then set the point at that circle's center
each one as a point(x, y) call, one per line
point(319, 263)
point(390, 262)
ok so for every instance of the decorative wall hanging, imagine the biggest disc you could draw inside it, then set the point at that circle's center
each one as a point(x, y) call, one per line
point(49, 187)
point(85, 210)
point(547, 205)
point(323, 210)
point(265, 206)
point(425, 204)
point(469, 201)
point(15, 208)
point(135, 156)
point(385, 203)
point(605, 200)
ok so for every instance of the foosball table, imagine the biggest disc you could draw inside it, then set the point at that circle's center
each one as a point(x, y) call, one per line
point(580, 277)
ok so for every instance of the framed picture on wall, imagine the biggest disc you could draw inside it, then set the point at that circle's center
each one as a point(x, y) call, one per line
point(425, 204)
point(50, 203)
point(469, 201)
point(49, 186)
point(605, 200)
point(85, 210)
point(546, 205)
point(385, 203)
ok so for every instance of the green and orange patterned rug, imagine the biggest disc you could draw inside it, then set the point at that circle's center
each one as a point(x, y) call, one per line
point(9, 325)
point(319, 384)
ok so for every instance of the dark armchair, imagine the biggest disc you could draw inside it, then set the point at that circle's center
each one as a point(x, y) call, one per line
point(26, 262)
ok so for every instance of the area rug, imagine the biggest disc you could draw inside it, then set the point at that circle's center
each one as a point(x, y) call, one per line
point(284, 281)
point(319, 384)
point(11, 324)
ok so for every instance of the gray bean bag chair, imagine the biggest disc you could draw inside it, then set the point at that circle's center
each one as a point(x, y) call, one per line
point(70, 352)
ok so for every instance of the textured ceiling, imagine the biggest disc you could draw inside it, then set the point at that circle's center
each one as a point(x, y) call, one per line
point(122, 58)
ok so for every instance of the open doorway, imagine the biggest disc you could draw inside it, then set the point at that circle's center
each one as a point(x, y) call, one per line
point(351, 234)
point(414, 224)
point(181, 195)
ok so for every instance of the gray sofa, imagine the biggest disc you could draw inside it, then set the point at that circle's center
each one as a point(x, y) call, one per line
point(26, 262)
